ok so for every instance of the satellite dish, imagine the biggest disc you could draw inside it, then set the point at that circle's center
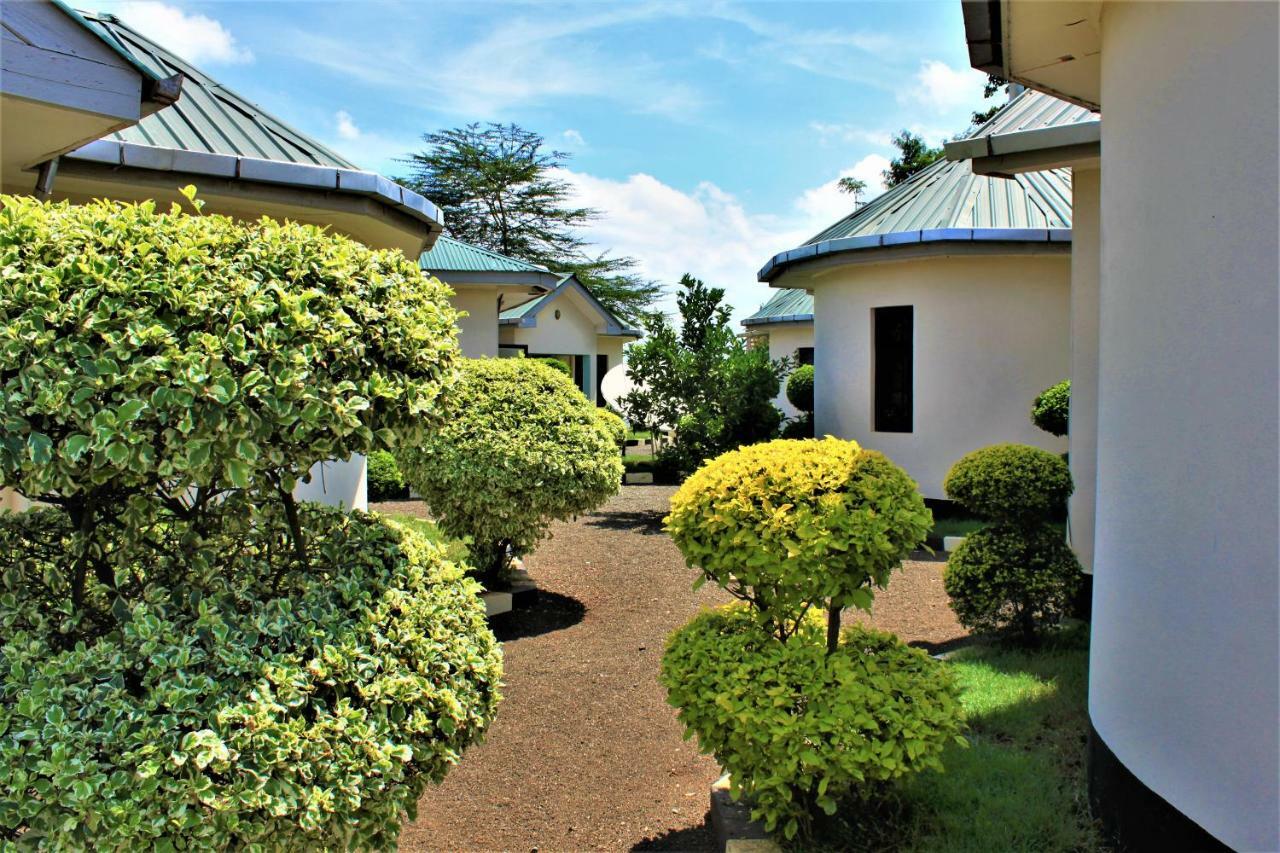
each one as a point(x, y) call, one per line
point(616, 385)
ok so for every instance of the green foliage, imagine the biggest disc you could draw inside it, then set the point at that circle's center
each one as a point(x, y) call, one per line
point(798, 728)
point(520, 447)
point(702, 379)
point(800, 388)
point(147, 352)
point(499, 190)
point(790, 525)
point(555, 364)
point(385, 481)
point(913, 156)
point(1051, 408)
point(614, 426)
point(801, 427)
point(258, 704)
point(1014, 580)
point(1013, 483)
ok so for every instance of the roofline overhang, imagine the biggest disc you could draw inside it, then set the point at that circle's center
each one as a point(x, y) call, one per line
point(1006, 154)
point(784, 320)
point(547, 281)
point(111, 154)
point(612, 326)
point(874, 248)
point(984, 35)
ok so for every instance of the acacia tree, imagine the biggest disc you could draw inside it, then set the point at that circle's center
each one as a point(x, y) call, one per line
point(498, 187)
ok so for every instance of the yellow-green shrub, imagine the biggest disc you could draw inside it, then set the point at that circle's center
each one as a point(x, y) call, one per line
point(1013, 483)
point(613, 425)
point(520, 447)
point(798, 729)
point(264, 705)
point(788, 525)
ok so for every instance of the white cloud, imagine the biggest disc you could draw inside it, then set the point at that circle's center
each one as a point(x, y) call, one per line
point(194, 37)
point(943, 88)
point(573, 137)
point(844, 133)
point(347, 128)
point(708, 232)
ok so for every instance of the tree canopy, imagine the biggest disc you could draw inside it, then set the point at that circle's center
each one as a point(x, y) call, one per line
point(913, 155)
point(499, 189)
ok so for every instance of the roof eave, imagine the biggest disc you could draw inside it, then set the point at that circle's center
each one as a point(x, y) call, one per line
point(1004, 155)
point(785, 319)
point(880, 247)
point(545, 281)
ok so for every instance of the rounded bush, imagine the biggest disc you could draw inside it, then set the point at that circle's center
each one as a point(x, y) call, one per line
point(1013, 483)
point(800, 388)
point(269, 707)
point(1051, 408)
point(385, 481)
point(520, 447)
point(614, 426)
point(556, 364)
point(797, 728)
point(1012, 580)
point(787, 523)
point(142, 349)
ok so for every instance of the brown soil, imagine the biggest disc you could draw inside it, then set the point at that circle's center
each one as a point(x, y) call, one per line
point(585, 754)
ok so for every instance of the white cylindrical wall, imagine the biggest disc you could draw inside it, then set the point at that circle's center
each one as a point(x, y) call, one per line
point(784, 340)
point(1184, 682)
point(991, 332)
point(341, 484)
point(1083, 440)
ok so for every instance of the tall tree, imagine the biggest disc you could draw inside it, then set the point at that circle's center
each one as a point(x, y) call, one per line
point(497, 186)
point(853, 187)
point(913, 155)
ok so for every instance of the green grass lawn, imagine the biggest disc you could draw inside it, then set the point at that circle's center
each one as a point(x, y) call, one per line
point(639, 435)
point(1020, 784)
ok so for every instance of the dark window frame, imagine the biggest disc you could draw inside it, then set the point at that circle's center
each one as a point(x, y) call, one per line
point(893, 368)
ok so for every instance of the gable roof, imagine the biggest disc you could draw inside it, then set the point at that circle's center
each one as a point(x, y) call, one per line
point(459, 263)
point(787, 305)
point(525, 315)
point(947, 202)
point(209, 118)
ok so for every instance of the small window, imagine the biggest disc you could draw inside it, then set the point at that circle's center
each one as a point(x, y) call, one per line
point(892, 336)
point(804, 355)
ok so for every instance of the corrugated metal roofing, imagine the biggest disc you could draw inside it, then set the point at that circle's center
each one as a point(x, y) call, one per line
point(947, 194)
point(209, 117)
point(453, 255)
point(786, 305)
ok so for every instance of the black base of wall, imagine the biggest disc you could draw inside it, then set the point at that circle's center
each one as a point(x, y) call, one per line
point(1136, 818)
point(1082, 606)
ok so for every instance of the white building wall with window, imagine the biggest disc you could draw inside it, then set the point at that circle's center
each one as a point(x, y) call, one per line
point(785, 341)
point(990, 333)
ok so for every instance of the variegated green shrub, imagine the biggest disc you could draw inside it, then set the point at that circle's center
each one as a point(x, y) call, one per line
point(265, 707)
point(520, 447)
point(148, 351)
point(799, 729)
point(790, 525)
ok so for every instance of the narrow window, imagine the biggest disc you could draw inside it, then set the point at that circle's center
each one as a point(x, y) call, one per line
point(892, 380)
point(804, 355)
point(602, 367)
point(580, 373)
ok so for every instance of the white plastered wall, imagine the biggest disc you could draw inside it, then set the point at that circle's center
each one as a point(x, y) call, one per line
point(991, 332)
point(1083, 440)
point(478, 331)
point(784, 340)
point(1184, 672)
point(574, 332)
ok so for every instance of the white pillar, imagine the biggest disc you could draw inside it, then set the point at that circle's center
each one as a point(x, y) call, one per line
point(1083, 438)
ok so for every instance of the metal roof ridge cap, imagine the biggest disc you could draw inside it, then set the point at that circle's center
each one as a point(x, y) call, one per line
point(99, 151)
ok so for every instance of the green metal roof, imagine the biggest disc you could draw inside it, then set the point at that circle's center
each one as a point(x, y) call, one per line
point(785, 306)
point(450, 255)
point(209, 118)
point(947, 202)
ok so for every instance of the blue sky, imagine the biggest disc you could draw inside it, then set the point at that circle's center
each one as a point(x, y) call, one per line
point(710, 135)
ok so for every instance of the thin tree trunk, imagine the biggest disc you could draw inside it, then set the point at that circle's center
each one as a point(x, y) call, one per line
point(295, 527)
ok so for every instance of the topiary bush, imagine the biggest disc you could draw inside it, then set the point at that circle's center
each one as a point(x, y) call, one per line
point(790, 525)
point(520, 447)
point(1012, 483)
point(800, 388)
point(1051, 408)
point(798, 728)
point(555, 364)
point(190, 658)
point(1017, 576)
point(385, 481)
point(261, 705)
point(151, 351)
point(1012, 580)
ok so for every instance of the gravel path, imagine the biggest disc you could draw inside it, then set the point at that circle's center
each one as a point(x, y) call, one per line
point(585, 753)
